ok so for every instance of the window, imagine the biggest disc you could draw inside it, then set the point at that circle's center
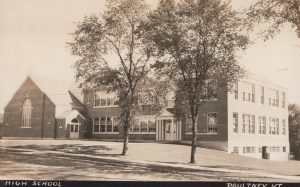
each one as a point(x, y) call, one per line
point(252, 125)
point(248, 92)
point(212, 122)
point(105, 124)
point(284, 149)
point(248, 124)
point(262, 125)
point(253, 93)
point(277, 126)
point(235, 150)
point(274, 97)
point(152, 126)
point(260, 149)
point(74, 120)
point(103, 99)
point(236, 91)
point(189, 124)
point(143, 127)
point(210, 89)
point(60, 125)
point(26, 114)
point(135, 128)
point(262, 96)
point(273, 125)
point(248, 149)
point(283, 100)
point(235, 122)
point(274, 149)
point(277, 98)
point(283, 127)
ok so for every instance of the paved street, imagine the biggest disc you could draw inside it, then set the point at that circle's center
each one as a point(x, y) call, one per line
point(17, 163)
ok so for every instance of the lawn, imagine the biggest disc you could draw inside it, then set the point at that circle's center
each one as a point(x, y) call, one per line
point(160, 152)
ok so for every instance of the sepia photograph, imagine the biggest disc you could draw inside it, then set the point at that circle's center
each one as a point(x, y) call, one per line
point(158, 92)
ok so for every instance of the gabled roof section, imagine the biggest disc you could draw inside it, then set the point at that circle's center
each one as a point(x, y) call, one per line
point(58, 92)
point(165, 113)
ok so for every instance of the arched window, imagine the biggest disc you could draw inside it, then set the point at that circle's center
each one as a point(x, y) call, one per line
point(26, 113)
point(75, 120)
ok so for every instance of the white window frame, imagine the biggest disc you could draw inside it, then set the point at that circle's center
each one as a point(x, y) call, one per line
point(262, 95)
point(113, 125)
point(235, 122)
point(104, 96)
point(284, 127)
point(138, 123)
point(283, 99)
point(262, 120)
point(26, 114)
point(207, 120)
point(213, 84)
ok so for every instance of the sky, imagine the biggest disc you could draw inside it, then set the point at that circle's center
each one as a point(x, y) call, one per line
point(33, 36)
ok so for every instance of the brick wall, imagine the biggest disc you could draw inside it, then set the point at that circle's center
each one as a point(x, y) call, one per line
point(218, 106)
point(43, 111)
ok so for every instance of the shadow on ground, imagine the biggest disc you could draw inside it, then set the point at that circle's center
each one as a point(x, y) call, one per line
point(54, 166)
point(70, 148)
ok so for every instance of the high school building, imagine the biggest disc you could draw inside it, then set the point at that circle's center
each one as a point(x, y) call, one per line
point(251, 121)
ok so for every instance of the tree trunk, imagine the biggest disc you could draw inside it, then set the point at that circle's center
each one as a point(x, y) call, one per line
point(194, 140)
point(126, 138)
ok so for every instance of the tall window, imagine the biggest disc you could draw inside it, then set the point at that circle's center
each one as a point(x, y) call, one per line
point(283, 127)
point(236, 91)
point(248, 124)
point(102, 99)
point(274, 97)
point(189, 124)
point(283, 100)
point(26, 113)
point(248, 92)
point(235, 122)
point(253, 94)
point(274, 125)
point(262, 96)
point(252, 125)
point(262, 125)
point(143, 127)
point(210, 89)
point(212, 122)
point(105, 124)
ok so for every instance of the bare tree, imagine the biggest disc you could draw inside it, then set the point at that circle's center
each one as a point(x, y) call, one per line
point(113, 54)
point(273, 15)
point(196, 40)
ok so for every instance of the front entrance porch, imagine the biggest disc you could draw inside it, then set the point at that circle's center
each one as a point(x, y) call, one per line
point(168, 129)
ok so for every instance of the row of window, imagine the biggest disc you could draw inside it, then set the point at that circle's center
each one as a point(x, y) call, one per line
point(249, 94)
point(252, 149)
point(248, 124)
point(110, 124)
point(102, 99)
point(211, 121)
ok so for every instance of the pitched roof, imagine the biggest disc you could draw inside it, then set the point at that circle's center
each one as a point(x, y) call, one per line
point(261, 78)
point(59, 92)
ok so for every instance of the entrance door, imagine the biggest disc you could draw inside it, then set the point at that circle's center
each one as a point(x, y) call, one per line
point(170, 130)
point(74, 130)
